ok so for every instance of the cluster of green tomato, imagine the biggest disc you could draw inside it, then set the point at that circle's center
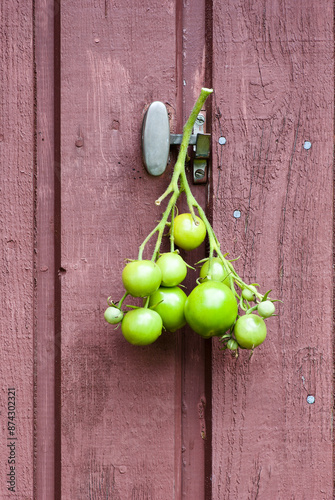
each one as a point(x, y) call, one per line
point(211, 308)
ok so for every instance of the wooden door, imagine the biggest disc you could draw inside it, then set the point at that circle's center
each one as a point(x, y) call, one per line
point(84, 414)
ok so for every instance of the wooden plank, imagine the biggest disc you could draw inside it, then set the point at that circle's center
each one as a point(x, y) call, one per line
point(196, 416)
point(47, 346)
point(120, 403)
point(273, 78)
point(16, 249)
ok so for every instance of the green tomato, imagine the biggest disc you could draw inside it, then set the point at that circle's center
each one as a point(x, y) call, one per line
point(141, 278)
point(141, 326)
point(211, 309)
point(250, 331)
point(170, 307)
point(187, 234)
point(113, 315)
point(173, 269)
point(248, 294)
point(266, 308)
point(217, 271)
point(232, 345)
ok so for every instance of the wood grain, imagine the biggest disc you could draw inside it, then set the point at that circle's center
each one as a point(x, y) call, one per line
point(16, 249)
point(47, 344)
point(273, 78)
point(120, 403)
point(196, 415)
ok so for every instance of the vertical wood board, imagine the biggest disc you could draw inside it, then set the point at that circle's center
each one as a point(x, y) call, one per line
point(196, 422)
point(47, 344)
point(120, 403)
point(16, 249)
point(273, 78)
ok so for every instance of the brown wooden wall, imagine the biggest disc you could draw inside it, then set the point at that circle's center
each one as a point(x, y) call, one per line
point(85, 415)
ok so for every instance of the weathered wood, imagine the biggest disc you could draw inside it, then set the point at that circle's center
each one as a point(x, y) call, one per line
point(47, 345)
point(120, 403)
point(134, 419)
point(196, 422)
point(273, 77)
point(16, 249)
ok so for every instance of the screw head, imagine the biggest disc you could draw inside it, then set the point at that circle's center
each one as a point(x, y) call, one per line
point(307, 145)
point(310, 399)
point(222, 140)
point(200, 120)
point(198, 174)
point(237, 214)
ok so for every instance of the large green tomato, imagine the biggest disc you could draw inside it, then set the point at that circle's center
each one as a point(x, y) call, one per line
point(211, 309)
point(250, 331)
point(187, 234)
point(173, 268)
point(141, 278)
point(213, 269)
point(141, 326)
point(170, 306)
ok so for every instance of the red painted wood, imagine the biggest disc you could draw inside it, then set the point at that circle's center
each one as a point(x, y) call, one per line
point(196, 422)
point(16, 249)
point(133, 419)
point(47, 344)
point(273, 79)
point(121, 416)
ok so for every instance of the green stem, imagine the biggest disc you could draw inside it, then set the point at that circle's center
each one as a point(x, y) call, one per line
point(177, 185)
point(178, 172)
point(121, 300)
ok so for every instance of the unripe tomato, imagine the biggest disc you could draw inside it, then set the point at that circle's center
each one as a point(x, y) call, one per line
point(141, 278)
point(113, 315)
point(173, 269)
point(171, 306)
point(232, 345)
point(141, 326)
point(248, 294)
point(210, 309)
point(250, 331)
point(216, 270)
point(266, 308)
point(187, 234)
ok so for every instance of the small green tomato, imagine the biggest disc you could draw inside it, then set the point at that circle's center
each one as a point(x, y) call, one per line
point(173, 268)
point(266, 308)
point(113, 315)
point(232, 345)
point(248, 294)
point(250, 331)
point(141, 278)
point(214, 270)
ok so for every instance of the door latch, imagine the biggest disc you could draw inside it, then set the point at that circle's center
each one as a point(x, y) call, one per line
point(156, 141)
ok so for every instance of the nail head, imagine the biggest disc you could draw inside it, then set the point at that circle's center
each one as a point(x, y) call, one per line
point(310, 399)
point(237, 214)
point(222, 141)
point(307, 145)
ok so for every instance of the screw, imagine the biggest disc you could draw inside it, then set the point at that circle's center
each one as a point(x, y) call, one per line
point(198, 174)
point(222, 141)
point(200, 120)
point(310, 400)
point(307, 145)
point(237, 214)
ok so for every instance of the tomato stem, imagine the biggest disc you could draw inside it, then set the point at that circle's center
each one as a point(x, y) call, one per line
point(179, 184)
point(121, 301)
